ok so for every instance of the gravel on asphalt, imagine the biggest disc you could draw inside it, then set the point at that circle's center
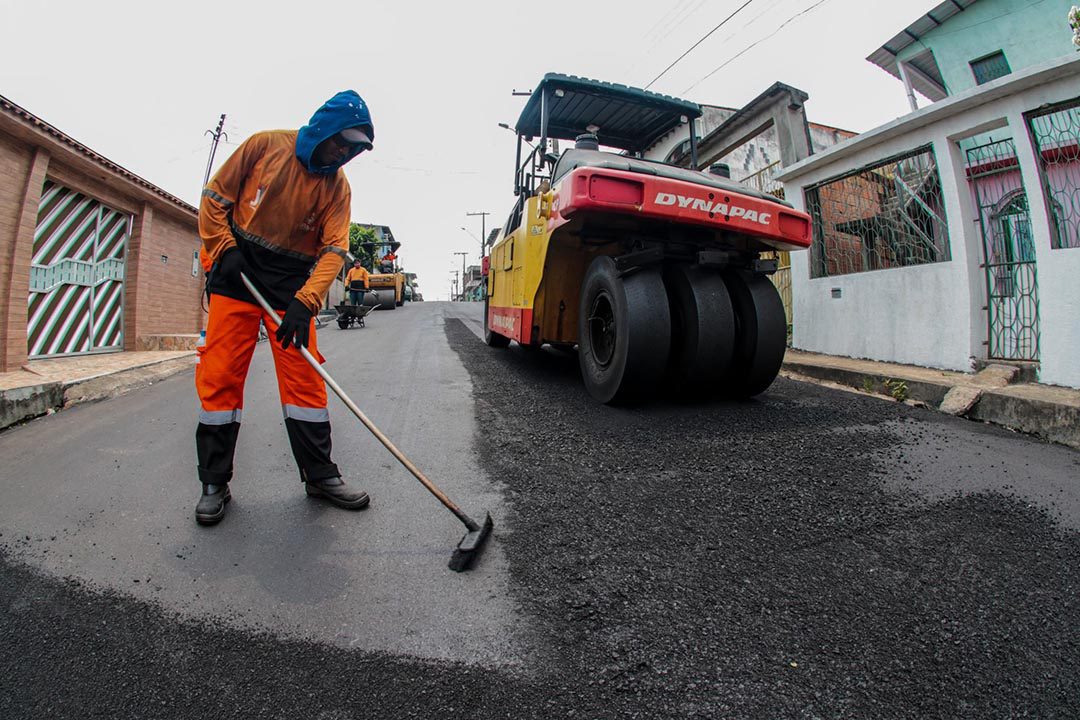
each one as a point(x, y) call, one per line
point(743, 560)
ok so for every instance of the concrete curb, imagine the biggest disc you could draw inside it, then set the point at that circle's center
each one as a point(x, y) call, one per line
point(929, 392)
point(19, 405)
point(109, 385)
point(1055, 421)
point(1014, 406)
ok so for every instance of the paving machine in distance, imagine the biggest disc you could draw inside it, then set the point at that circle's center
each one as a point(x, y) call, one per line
point(655, 272)
point(386, 281)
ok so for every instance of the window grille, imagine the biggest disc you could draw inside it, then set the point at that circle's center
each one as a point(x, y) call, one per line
point(990, 68)
point(1055, 133)
point(887, 215)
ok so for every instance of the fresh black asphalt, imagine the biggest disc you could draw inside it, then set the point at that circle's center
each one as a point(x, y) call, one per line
point(797, 556)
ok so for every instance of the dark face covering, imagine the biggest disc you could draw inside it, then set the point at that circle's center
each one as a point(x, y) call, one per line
point(333, 151)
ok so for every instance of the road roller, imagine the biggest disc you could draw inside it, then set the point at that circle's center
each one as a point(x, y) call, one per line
point(654, 273)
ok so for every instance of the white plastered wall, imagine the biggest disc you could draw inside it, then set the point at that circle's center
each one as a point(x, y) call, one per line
point(933, 315)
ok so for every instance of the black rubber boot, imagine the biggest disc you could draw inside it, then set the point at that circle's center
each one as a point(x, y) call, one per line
point(338, 492)
point(211, 507)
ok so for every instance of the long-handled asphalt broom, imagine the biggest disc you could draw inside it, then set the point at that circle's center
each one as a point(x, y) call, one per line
point(473, 542)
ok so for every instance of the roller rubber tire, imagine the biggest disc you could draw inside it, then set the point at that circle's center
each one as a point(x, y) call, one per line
point(760, 337)
point(492, 338)
point(624, 332)
point(702, 329)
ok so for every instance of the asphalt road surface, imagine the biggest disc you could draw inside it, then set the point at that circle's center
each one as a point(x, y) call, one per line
point(809, 554)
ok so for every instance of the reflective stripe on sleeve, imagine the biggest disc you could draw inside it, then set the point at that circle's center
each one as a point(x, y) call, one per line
point(219, 417)
point(225, 202)
point(304, 414)
point(340, 252)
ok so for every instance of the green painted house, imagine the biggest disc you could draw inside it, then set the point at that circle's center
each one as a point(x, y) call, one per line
point(961, 44)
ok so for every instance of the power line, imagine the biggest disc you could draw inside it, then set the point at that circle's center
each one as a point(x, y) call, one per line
point(667, 24)
point(665, 18)
point(754, 44)
point(703, 39)
point(686, 14)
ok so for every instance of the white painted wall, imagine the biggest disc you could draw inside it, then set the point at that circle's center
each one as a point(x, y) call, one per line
point(887, 315)
point(932, 315)
point(1058, 272)
point(1060, 319)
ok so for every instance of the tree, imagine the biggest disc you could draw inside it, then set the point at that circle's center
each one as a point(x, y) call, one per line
point(358, 234)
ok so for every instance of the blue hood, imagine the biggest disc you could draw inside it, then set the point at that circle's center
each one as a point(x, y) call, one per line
point(344, 110)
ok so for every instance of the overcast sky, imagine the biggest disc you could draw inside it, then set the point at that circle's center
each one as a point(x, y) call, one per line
point(141, 82)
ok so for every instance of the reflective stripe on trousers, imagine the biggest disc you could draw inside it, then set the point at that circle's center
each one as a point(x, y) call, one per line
point(232, 331)
point(220, 417)
point(305, 414)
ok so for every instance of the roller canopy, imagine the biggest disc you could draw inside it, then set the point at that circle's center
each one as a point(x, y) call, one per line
point(628, 118)
point(394, 245)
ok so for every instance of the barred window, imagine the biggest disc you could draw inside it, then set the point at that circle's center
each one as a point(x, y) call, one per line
point(887, 215)
point(1055, 133)
point(990, 67)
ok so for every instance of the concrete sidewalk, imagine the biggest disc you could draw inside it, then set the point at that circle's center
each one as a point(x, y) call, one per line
point(42, 387)
point(995, 394)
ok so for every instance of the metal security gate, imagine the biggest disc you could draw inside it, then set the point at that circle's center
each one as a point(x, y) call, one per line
point(76, 300)
point(1012, 302)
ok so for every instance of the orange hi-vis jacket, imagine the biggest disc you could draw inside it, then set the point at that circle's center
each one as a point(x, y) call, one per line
point(283, 218)
point(356, 273)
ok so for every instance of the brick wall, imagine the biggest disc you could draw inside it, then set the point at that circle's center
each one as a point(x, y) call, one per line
point(161, 298)
point(15, 162)
point(169, 297)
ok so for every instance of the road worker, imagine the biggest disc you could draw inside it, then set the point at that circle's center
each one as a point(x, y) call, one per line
point(386, 265)
point(357, 282)
point(277, 211)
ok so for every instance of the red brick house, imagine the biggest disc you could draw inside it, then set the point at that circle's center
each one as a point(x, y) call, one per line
point(93, 258)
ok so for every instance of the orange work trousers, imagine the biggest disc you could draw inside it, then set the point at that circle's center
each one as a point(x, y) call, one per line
point(232, 330)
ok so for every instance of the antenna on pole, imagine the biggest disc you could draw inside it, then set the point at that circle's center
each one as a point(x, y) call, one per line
point(216, 134)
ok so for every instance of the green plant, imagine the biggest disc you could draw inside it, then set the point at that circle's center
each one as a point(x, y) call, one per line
point(358, 236)
point(868, 385)
point(898, 389)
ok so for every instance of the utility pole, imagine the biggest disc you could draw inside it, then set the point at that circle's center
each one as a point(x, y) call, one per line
point(462, 273)
point(483, 231)
point(453, 286)
point(216, 135)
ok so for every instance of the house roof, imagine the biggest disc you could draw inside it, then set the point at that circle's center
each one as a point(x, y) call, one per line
point(885, 56)
point(27, 118)
point(629, 118)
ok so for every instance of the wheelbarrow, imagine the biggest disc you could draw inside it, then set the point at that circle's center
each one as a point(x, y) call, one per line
point(349, 315)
